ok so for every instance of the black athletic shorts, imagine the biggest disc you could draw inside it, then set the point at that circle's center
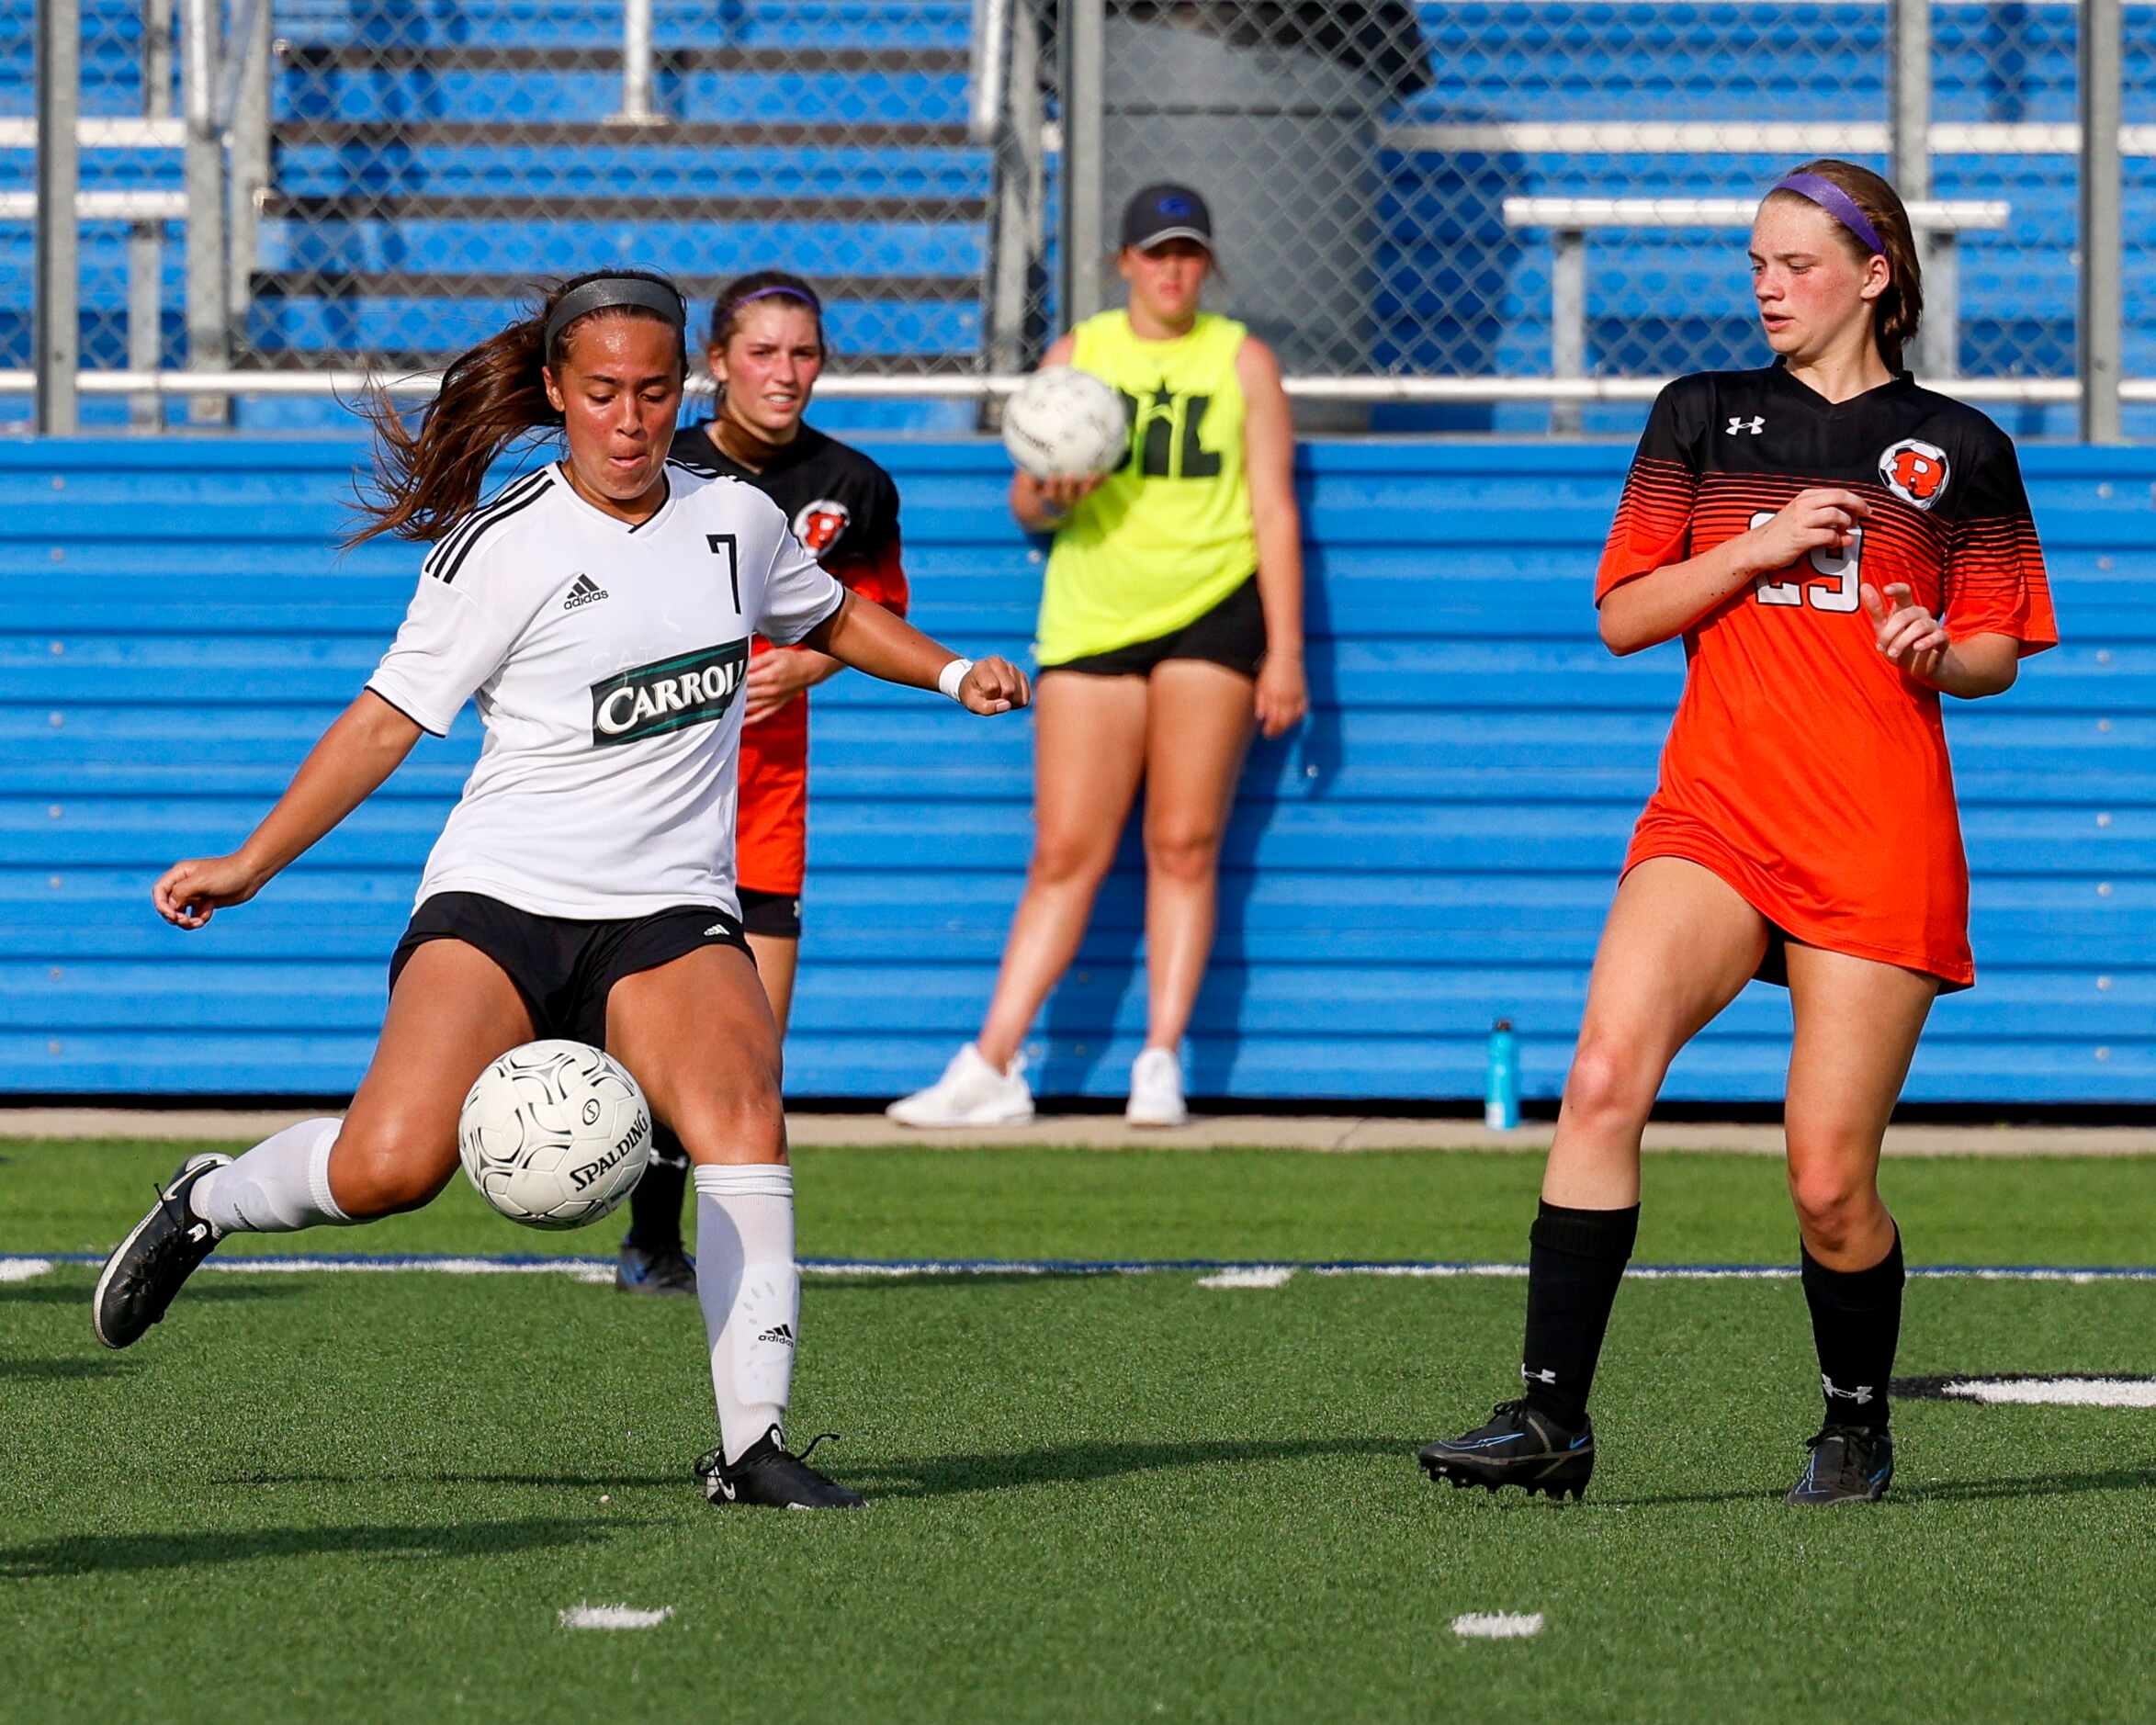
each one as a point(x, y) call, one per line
point(775, 916)
point(564, 966)
point(1231, 634)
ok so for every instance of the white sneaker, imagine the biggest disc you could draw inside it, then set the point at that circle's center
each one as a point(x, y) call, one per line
point(970, 1093)
point(1156, 1090)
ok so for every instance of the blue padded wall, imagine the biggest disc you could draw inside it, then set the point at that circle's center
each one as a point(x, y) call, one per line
point(1435, 847)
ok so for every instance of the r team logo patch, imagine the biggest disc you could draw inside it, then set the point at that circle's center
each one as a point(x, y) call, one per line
point(819, 525)
point(1914, 471)
point(674, 693)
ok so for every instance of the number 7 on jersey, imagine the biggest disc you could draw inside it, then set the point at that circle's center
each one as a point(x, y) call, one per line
point(724, 542)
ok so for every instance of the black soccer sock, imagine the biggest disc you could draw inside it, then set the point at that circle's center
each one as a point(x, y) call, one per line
point(1856, 1323)
point(655, 1207)
point(1575, 1260)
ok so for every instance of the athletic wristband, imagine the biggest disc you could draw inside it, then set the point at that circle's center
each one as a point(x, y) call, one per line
point(952, 675)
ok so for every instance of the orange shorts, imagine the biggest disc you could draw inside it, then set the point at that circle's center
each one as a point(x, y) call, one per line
point(771, 835)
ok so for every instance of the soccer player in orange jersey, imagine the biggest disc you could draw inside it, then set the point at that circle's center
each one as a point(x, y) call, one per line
point(766, 350)
point(1838, 548)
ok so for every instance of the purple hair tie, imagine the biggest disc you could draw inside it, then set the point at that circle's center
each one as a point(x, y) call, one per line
point(765, 293)
point(1838, 203)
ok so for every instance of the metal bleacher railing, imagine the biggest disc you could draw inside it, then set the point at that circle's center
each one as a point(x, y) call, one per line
point(367, 185)
point(1569, 220)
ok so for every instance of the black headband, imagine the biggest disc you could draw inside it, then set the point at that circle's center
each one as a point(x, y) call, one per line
point(608, 293)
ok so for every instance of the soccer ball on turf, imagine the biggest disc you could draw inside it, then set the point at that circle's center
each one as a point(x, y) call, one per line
point(1063, 424)
point(555, 1133)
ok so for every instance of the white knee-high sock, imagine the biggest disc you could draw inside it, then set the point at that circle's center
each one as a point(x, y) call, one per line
point(281, 1185)
point(751, 1292)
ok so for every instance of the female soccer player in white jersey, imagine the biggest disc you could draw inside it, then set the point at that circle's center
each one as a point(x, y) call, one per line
point(600, 609)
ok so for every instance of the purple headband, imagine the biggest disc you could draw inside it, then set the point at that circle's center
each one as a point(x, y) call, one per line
point(1838, 203)
point(791, 293)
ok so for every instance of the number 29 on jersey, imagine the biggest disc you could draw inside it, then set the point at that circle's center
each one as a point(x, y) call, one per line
point(1832, 585)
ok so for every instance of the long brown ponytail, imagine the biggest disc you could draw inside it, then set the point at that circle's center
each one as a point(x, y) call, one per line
point(492, 396)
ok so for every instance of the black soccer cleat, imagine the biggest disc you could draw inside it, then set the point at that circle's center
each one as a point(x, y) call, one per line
point(670, 1272)
point(147, 1268)
point(1520, 1446)
point(1850, 1464)
point(767, 1475)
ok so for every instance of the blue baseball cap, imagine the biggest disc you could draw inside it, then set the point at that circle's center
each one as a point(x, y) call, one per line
point(1161, 213)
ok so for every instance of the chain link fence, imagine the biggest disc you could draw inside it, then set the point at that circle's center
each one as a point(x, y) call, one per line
point(1474, 191)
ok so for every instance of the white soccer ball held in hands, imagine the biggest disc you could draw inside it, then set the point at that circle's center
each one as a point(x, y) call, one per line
point(1064, 424)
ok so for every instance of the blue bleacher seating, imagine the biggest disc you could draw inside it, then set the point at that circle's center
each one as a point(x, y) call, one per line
point(1434, 849)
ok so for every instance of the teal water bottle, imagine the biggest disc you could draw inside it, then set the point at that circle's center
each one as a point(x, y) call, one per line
point(1501, 1097)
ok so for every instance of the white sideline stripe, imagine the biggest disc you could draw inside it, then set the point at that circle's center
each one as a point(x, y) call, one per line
point(2058, 1392)
point(1212, 1272)
point(612, 1618)
point(956, 1266)
point(1705, 1272)
point(1260, 1276)
point(576, 1268)
point(1497, 1626)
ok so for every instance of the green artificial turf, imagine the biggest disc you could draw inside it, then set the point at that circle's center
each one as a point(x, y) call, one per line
point(1461, 1206)
point(324, 1496)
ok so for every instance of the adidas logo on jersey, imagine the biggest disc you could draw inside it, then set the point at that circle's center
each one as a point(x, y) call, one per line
point(585, 591)
point(778, 1333)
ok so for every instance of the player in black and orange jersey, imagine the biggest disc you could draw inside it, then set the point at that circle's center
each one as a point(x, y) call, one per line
point(766, 350)
point(1838, 548)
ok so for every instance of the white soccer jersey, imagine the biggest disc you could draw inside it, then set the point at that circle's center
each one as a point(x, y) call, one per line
point(606, 662)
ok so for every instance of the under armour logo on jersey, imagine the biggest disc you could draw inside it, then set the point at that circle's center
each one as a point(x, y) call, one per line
point(1538, 1377)
point(1756, 424)
point(585, 591)
point(1861, 1394)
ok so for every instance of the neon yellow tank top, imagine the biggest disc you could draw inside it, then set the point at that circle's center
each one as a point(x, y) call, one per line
point(1167, 536)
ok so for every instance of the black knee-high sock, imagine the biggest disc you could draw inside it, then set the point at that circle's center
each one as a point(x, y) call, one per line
point(1575, 1260)
point(655, 1207)
point(1856, 1323)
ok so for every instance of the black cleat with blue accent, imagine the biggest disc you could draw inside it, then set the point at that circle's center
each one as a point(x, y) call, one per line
point(1519, 1446)
point(667, 1272)
point(1850, 1464)
point(148, 1268)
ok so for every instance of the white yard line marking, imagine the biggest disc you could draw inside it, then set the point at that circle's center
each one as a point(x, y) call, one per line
point(908, 1271)
point(612, 1618)
point(575, 1268)
point(1497, 1626)
point(1508, 1272)
point(2056, 1392)
point(1214, 1272)
point(1256, 1276)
